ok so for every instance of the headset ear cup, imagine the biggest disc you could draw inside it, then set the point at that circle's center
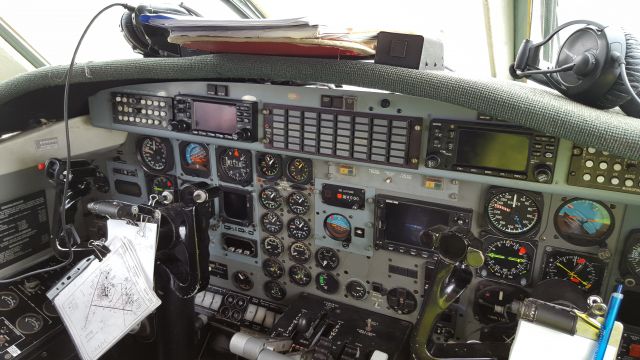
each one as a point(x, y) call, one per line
point(618, 93)
point(129, 32)
point(631, 107)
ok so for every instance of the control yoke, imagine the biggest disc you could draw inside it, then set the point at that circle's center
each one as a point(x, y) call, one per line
point(459, 251)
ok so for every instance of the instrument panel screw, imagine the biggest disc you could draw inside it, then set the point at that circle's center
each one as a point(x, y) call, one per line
point(265, 141)
point(265, 111)
point(414, 161)
point(454, 182)
point(453, 196)
point(417, 128)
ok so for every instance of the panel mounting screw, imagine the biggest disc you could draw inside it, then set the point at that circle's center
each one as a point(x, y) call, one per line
point(417, 128)
point(265, 111)
point(265, 141)
point(414, 161)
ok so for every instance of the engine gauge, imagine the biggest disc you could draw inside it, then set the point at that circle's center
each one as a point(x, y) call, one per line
point(327, 258)
point(630, 264)
point(194, 159)
point(337, 226)
point(299, 171)
point(356, 289)
point(155, 154)
point(513, 212)
point(298, 228)
point(242, 280)
point(29, 323)
point(508, 260)
point(270, 198)
point(272, 268)
point(160, 184)
point(273, 246)
point(234, 166)
point(584, 222)
point(271, 223)
point(8, 300)
point(274, 290)
point(269, 166)
point(584, 271)
point(298, 203)
point(299, 252)
point(299, 275)
point(327, 283)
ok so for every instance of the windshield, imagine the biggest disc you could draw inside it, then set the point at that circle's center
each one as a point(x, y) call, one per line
point(480, 37)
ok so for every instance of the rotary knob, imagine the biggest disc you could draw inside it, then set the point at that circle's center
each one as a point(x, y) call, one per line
point(542, 173)
point(243, 134)
point(432, 161)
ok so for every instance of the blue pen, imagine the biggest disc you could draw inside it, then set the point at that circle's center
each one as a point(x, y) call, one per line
point(609, 321)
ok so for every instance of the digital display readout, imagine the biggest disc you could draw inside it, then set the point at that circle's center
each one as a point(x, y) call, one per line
point(218, 118)
point(343, 196)
point(493, 150)
point(405, 222)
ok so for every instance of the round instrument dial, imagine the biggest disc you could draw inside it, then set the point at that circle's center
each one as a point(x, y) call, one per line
point(270, 165)
point(327, 283)
point(584, 271)
point(155, 154)
point(272, 268)
point(299, 252)
point(242, 280)
point(273, 246)
point(299, 275)
point(8, 300)
point(356, 289)
point(298, 203)
point(160, 184)
point(327, 258)
point(29, 323)
point(274, 290)
point(584, 222)
point(270, 198)
point(508, 260)
point(236, 165)
point(513, 213)
point(196, 157)
point(402, 300)
point(271, 223)
point(299, 170)
point(337, 226)
point(631, 260)
point(298, 228)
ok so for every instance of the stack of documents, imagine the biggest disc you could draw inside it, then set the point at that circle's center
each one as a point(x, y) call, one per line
point(294, 36)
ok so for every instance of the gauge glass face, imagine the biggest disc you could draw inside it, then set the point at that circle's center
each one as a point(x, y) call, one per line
point(299, 170)
point(236, 164)
point(632, 257)
point(337, 226)
point(273, 246)
point(584, 271)
point(270, 198)
point(356, 289)
point(270, 165)
point(242, 280)
point(160, 184)
point(8, 300)
point(271, 223)
point(327, 258)
point(29, 323)
point(327, 283)
point(299, 275)
point(274, 290)
point(299, 252)
point(509, 260)
point(298, 228)
point(156, 155)
point(197, 156)
point(584, 222)
point(298, 203)
point(272, 268)
point(513, 213)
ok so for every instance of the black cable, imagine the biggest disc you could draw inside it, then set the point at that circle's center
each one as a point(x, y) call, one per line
point(625, 79)
point(62, 209)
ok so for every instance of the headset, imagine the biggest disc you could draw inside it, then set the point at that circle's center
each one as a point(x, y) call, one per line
point(149, 40)
point(597, 66)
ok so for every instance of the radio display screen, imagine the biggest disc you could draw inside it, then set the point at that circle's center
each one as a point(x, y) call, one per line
point(405, 222)
point(219, 118)
point(493, 150)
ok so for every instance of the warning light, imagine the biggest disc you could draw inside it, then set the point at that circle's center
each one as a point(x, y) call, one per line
point(522, 250)
point(41, 166)
point(339, 196)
